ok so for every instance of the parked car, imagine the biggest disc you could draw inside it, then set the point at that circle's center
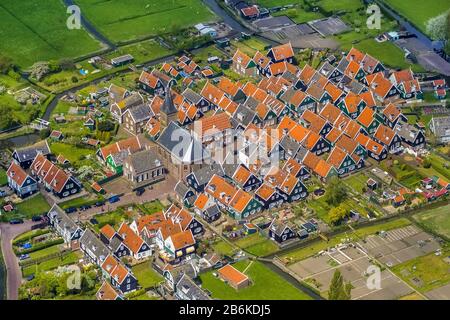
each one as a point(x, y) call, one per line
point(24, 256)
point(99, 203)
point(29, 278)
point(94, 221)
point(16, 221)
point(114, 199)
point(85, 207)
point(140, 192)
point(36, 218)
point(71, 210)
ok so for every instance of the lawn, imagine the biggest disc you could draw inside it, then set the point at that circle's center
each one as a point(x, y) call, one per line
point(261, 277)
point(45, 252)
point(223, 248)
point(257, 245)
point(51, 264)
point(431, 271)
point(419, 12)
point(357, 182)
point(310, 250)
point(142, 51)
point(436, 220)
point(153, 207)
point(122, 21)
point(32, 206)
point(114, 218)
point(250, 46)
point(71, 152)
point(146, 276)
point(37, 31)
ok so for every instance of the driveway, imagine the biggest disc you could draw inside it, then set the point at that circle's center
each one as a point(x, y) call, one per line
point(159, 191)
point(14, 275)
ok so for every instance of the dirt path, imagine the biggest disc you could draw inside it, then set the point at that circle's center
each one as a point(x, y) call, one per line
point(14, 275)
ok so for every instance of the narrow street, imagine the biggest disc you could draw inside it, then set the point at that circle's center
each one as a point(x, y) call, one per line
point(14, 274)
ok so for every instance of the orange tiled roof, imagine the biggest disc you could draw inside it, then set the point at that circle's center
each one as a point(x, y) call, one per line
point(232, 275)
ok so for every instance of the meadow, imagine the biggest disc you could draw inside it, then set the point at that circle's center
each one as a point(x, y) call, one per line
point(419, 12)
point(121, 21)
point(37, 31)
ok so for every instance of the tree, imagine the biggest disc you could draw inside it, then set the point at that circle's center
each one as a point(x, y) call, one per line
point(437, 27)
point(39, 70)
point(5, 64)
point(44, 133)
point(335, 215)
point(339, 290)
point(336, 192)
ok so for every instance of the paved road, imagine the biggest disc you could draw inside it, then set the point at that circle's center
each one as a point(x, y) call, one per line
point(14, 275)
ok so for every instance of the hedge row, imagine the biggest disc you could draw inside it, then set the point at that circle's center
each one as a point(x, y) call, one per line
point(39, 246)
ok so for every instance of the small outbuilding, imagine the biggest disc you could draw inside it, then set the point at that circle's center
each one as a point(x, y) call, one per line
point(234, 277)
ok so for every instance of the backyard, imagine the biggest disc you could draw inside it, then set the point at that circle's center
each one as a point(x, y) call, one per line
point(146, 276)
point(259, 276)
point(35, 205)
point(257, 245)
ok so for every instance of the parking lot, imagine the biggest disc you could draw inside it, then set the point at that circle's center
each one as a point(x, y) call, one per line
point(329, 26)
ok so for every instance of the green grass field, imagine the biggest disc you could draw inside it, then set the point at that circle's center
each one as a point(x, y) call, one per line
point(3, 177)
point(257, 245)
point(36, 30)
point(45, 252)
point(146, 276)
point(431, 271)
point(260, 277)
point(223, 248)
point(418, 11)
point(126, 20)
point(436, 220)
point(70, 152)
point(51, 264)
point(35, 205)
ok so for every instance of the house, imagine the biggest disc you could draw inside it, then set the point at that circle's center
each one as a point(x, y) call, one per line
point(93, 248)
point(117, 93)
point(143, 168)
point(54, 179)
point(281, 53)
point(382, 88)
point(138, 247)
point(23, 184)
point(440, 127)
point(406, 84)
point(295, 168)
point(391, 115)
point(233, 277)
point(184, 219)
point(238, 203)
point(389, 138)
point(183, 154)
point(122, 60)
point(121, 278)
point(65, 226)
point(196, 99)
point(413, 137)
point(130, 145)
point(352, 105)
point(243, 64)
point(118, 109)
point(107, 292)
point(245, 179)
point(206, 208)
point(367, 118)
point(199, 179)
point(290, 187)
point(176, 246)
point(262, 64)
point(269, 196)
point(186, 289)
point(173, 274)
point(281, 232)
point(250, 12)
point(184, 194)
point(215, 131)
point(374, 149)
point(25, 156)
point(136, 118)
point(342, 161)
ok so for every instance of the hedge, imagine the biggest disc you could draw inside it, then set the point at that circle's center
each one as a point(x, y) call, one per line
point(25, 238)
point(39, 246)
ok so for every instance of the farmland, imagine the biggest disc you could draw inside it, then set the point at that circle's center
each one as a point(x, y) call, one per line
point(436, 220)
point(37, 31)
point(123, 21)
point(419, 12)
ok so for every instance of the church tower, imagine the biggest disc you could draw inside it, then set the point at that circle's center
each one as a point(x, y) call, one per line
point(168, 112)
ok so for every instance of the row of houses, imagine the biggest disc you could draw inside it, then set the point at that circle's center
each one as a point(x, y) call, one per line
point(30, 167)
